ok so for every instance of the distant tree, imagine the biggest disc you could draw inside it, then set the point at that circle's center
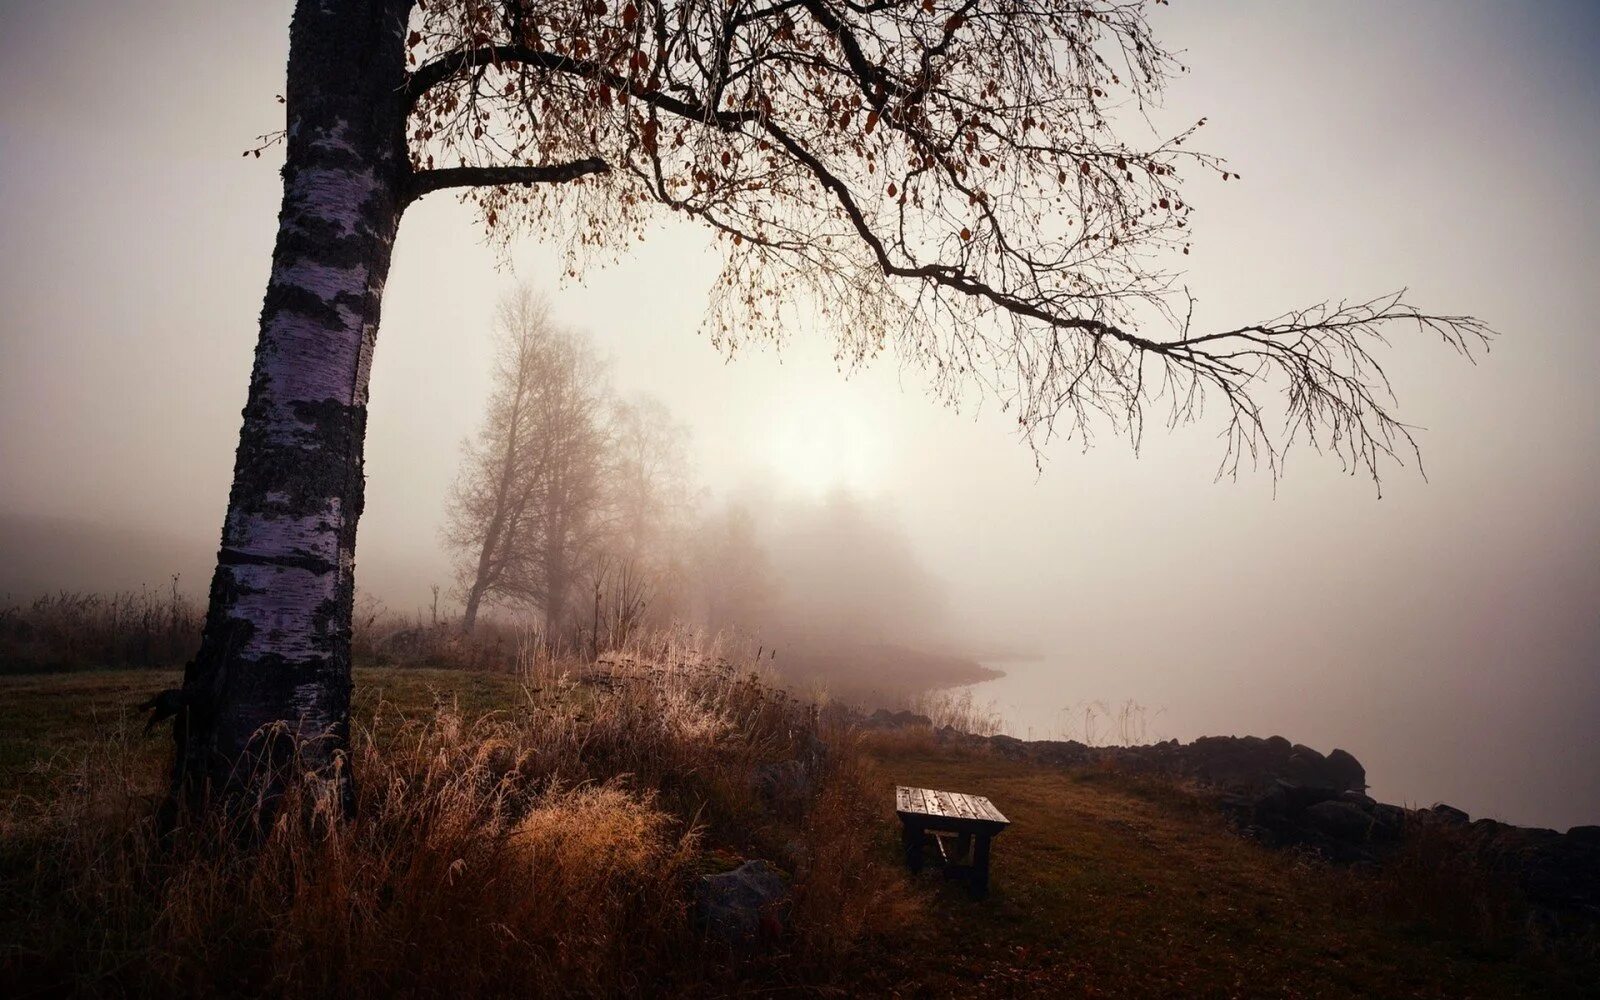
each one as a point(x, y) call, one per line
point(491, 502)
point(732, 569)
point(951, 175)
point(525, 513)
point(649, 484)
point(568, 526)
point(649, 501)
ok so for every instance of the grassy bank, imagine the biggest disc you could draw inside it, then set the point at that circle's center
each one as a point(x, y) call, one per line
point(551, 845)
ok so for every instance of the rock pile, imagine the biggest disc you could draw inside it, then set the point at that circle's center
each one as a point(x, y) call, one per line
point(1236, 763)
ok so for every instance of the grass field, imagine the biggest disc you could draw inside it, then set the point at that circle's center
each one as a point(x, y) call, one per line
point(1104, 885)
point(1109, 886)
point(47, 720)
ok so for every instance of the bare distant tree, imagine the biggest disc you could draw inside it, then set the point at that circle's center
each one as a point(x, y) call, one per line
point(568, 527)
point(491, 503)
point(649, 497)
point(526, 508)
point(963, 178)
point(649, 485)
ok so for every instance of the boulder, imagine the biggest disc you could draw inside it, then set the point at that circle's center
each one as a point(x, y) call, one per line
point(1341, 820)
point(1389, 821)
point(1449, 815)
point(1301, 797)
point(1307, 767)
point(1362, 799)
point(1060, 752)
point(1485, 829)
point(885, 719)
point(745, 906)
point(784, 783)
point(1008, 746)
point(1345, 771)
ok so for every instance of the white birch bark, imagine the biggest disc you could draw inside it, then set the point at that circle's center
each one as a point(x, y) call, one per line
point(276, 651)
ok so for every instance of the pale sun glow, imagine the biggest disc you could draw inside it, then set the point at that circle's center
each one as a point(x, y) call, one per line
point(822, 443)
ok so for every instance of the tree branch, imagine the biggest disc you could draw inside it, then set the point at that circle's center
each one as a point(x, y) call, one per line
point(451, 64)
point(425, 181)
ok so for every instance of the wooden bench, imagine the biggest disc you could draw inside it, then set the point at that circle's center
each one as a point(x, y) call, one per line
point(925, 813)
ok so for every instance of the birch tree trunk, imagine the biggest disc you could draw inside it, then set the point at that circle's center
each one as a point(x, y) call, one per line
point(276, 650)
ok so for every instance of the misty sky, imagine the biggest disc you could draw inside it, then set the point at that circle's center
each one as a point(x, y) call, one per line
point(1448, 634)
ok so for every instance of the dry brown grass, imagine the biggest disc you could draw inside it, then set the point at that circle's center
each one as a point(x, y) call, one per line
point(959, 710)
point(851, 892)
point(72, 630)
point(549, 848)
point(1112, 885)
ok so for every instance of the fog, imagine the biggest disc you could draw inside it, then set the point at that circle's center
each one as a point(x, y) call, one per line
point(1447, 633)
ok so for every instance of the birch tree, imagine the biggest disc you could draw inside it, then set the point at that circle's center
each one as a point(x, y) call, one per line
point(966, 180)
point(526, 511)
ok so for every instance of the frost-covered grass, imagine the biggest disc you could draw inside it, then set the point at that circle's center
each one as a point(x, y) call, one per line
point(539, 834)
point(531, 835)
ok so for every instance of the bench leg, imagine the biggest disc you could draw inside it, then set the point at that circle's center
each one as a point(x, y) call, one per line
point(979, 887)
point(911, 839)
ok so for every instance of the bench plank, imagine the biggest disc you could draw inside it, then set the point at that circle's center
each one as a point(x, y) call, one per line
point(990, 812)
point(956, 810)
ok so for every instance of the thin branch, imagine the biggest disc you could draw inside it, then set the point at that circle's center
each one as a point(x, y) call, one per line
point(451, 64)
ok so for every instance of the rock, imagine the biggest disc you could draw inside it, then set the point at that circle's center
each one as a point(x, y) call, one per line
point(1485, 828)
point(1276, 802)
point(1341, 820)
point(1301, 797)
point(1362, 799)
point(885, 719)
point(784, 782)
point(1008, 746)
point(1589, 835)
point(1301, 750)
point(1277, 744)
point(1389, 821)
point(745, 906)
point(1060, 752)
point(1307, 767)
point(1449, 815)
point(1345, 770)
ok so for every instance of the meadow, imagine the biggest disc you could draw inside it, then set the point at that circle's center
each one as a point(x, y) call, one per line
point(541, 832)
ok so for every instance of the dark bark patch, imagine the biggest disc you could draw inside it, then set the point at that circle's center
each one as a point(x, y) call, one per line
point(314, 564)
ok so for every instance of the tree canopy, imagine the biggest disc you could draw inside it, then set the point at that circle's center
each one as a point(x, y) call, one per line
point(957, 179)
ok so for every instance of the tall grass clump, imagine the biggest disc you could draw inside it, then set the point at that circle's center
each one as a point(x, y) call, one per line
point(73, 630)
point(549, 848)
point(958, 710)
point(382, 637)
